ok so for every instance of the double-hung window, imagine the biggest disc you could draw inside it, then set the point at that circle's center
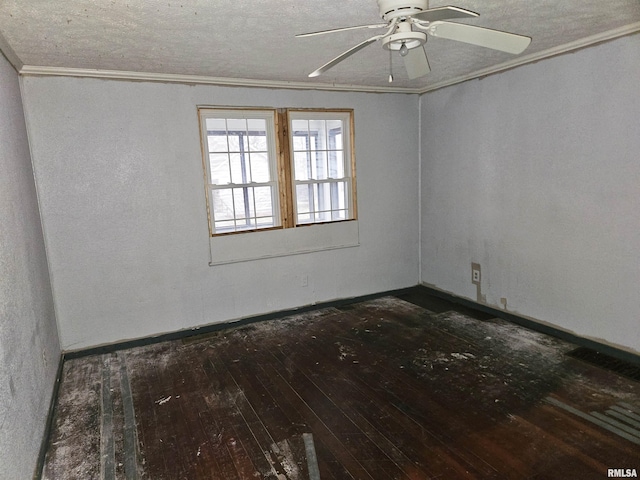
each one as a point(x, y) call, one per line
point(268, 168)
point(321, 147)
point(240, 164)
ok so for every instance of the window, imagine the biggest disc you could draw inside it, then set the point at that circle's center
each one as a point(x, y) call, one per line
point(268, 168)
point(322, 176)
point(241, 171)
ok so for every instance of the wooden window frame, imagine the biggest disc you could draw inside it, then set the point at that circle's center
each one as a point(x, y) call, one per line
point(284, 164)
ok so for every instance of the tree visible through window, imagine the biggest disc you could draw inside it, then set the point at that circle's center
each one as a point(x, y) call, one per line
point(252, 181)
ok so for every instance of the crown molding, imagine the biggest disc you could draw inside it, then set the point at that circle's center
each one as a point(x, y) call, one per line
point(34, 70)
point(537, 56)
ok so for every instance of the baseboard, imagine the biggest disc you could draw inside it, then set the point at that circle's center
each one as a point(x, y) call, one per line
point(181, 334)
point(37, 475)
point(615, 352)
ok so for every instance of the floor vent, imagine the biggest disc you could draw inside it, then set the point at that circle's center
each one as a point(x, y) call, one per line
point(626, 369)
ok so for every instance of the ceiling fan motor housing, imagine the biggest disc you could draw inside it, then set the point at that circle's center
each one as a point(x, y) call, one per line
point(390, 9)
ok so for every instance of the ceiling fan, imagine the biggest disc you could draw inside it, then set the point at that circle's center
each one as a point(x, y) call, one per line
point(408, 22)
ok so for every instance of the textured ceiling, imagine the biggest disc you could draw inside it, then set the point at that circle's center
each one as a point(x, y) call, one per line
point(241, 39)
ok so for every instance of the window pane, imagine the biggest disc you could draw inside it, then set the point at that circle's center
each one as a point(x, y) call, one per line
point(237, 140)
point(257, 142)
point(339, 215)
point(264, 201)
point(322, 202)
point(336, 164)
point(339, 191)
point(337, 142)
point(260, 167)
point(237, 124)
point(319, 165)
point(225, 226)
point(240, 200)
point(302, 165)
point(318, 129)
point(323, 217)
point(233, 143)
point(219, 168)
point(265, 222)
point(216, 124)
point(334, 128)
point(222, 204)
point(238, 168)
point(305, 218)
point(300, 143)
point(217, 142)
point(251, 206)
point(257, 125)
point(322, 197)
point(257, 139)
point(304, 193)
point(299, 127)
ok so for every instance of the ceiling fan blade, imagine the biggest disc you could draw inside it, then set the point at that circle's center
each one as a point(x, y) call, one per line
point(342, 56)
point(416, 63)
point(443, 13)
point(333, 30)
point(484, 37)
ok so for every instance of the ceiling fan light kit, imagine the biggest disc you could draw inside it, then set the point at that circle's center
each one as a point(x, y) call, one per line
point(404, 37)
point(402, 16)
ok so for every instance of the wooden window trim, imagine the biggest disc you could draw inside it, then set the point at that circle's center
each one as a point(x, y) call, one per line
point(284, 165)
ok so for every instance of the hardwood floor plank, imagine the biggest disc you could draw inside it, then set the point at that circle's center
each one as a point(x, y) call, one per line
point(107, 446)
point(248, 429)
point(289, 405)
point(74, 444)
point(130, 437)
point(284, 435)
point(347, 465)
point(233, 459)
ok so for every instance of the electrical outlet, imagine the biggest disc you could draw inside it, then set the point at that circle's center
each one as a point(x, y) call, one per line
point(304, 281)
point(475, 273)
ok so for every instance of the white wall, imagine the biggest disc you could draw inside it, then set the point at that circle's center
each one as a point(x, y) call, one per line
point(535, 174)
point(29, 348)
point(119, 173)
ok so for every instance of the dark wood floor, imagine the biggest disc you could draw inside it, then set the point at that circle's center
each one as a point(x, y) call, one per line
point(382, 389)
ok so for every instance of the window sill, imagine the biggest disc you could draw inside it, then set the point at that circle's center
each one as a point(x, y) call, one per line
point(258, 245)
